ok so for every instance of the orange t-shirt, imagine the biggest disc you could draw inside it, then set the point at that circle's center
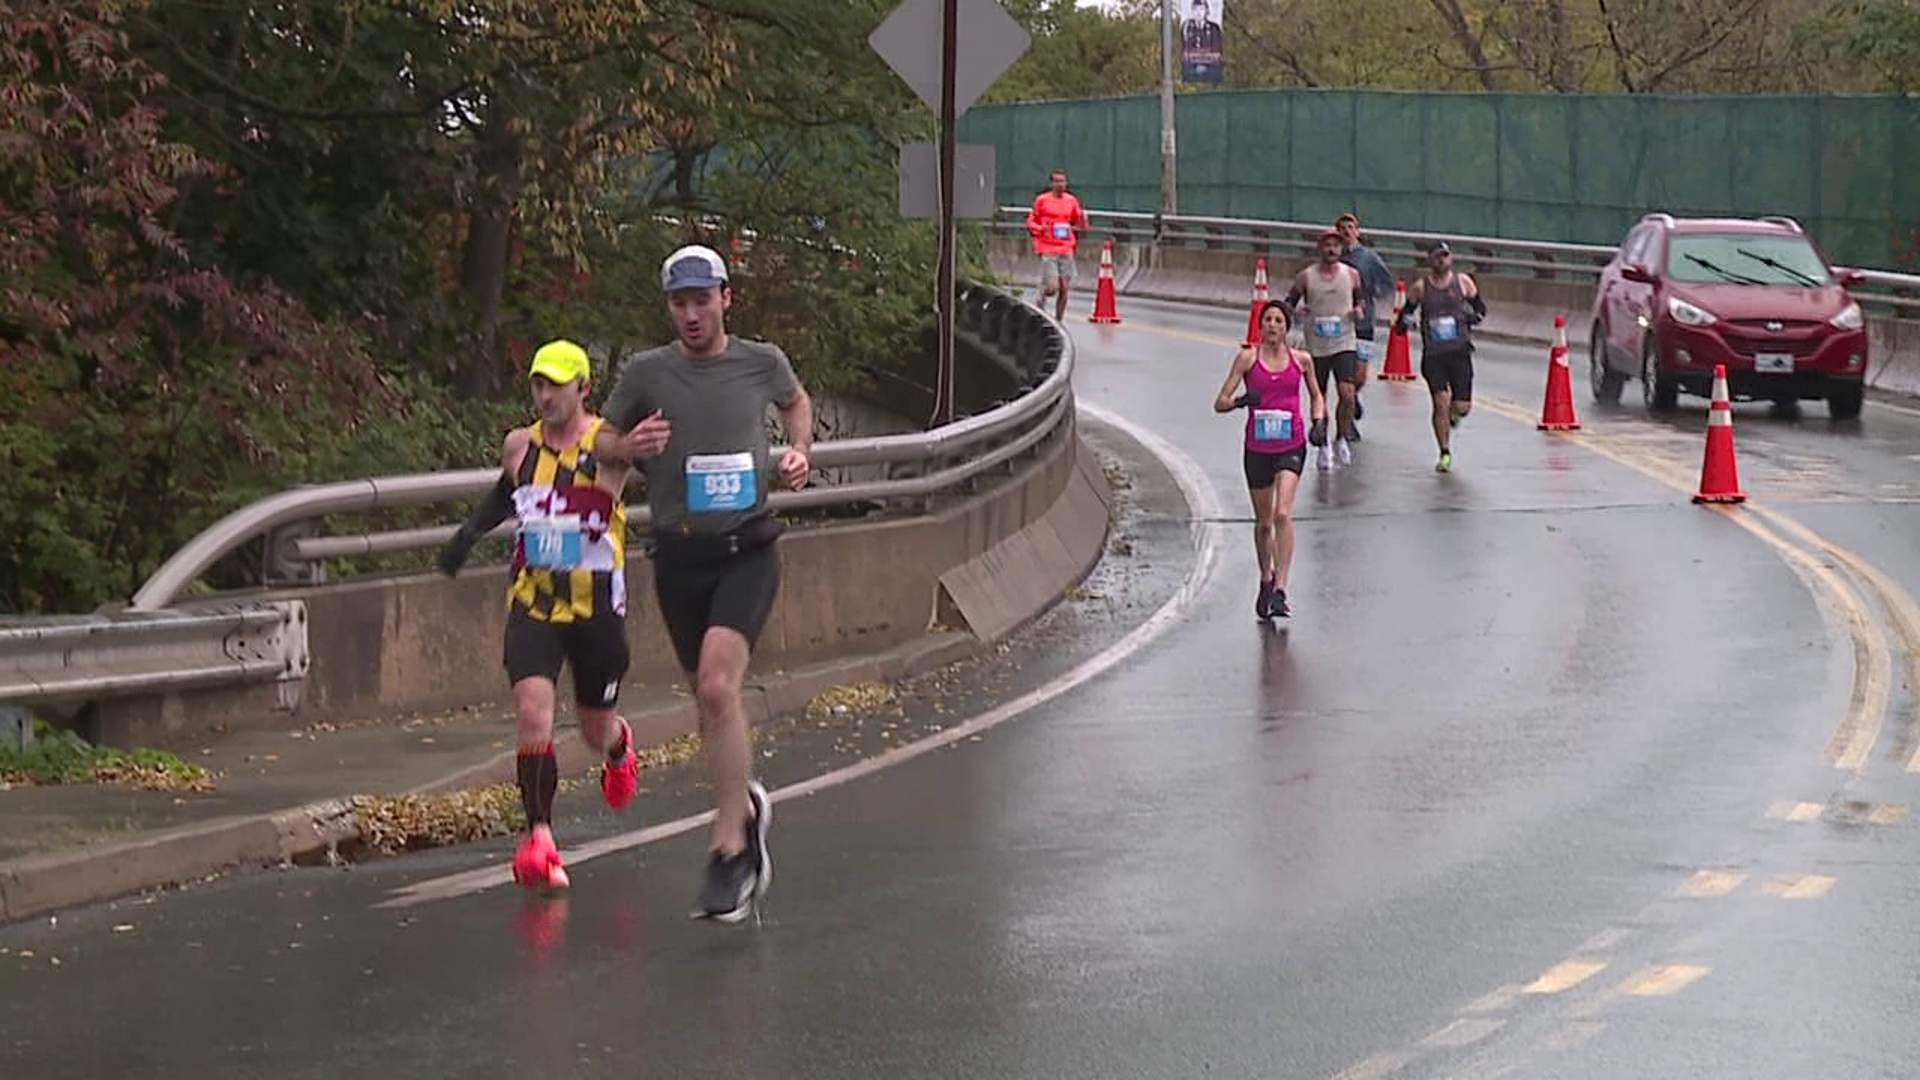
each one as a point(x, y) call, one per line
point(1053, 221)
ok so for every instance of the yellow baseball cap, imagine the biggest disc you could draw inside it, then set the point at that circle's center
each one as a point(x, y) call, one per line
point(561, 361)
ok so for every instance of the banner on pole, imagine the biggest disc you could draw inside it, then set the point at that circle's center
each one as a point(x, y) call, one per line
point(1201, 59)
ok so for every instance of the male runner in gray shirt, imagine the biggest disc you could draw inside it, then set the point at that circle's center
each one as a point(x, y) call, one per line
point(694, 416)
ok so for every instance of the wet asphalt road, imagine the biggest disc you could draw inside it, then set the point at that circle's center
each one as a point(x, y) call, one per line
point(1534, 784)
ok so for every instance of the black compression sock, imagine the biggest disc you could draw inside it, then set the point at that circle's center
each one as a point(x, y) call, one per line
point(539, 773)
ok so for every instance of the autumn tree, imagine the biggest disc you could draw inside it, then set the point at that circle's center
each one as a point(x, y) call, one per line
point(131, 372)
point(1566, 46)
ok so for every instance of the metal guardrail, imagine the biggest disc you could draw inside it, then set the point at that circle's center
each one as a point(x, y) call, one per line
point(1893, 293)
point(153, 647)
point(111, 655)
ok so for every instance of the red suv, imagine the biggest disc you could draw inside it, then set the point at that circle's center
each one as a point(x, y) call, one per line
point(1684, 294)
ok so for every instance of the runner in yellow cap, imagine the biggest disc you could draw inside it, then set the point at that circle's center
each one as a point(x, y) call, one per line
point(568, 599)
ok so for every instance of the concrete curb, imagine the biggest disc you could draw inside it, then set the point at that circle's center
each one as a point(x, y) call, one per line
point(43, 883)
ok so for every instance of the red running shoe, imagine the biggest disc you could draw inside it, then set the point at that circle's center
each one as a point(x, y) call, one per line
point(620, 781)
point(537, 864)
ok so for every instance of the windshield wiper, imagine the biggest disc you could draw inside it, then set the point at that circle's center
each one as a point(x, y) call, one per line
point(1723, 272)
point(1769, 260)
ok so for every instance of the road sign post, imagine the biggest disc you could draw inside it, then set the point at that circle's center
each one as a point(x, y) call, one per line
point(949, 52)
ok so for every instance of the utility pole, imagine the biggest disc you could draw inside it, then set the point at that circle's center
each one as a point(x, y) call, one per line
point(1169, 201)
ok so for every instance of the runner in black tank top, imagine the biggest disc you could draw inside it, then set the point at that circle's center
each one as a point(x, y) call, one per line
point(1449, 304)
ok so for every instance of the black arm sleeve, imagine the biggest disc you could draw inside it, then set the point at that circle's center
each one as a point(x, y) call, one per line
point(1479, 305)
point(495, 508)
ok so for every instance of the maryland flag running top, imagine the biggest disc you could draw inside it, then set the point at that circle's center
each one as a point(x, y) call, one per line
point(570, 555)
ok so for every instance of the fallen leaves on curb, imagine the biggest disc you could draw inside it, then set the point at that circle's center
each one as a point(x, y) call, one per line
point(848, 698)
point(392, 824)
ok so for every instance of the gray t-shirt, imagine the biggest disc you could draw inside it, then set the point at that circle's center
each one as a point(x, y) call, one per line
point(715, 472)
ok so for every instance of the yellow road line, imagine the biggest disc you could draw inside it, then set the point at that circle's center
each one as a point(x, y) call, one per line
point(1566, 975)
point(1888, 814)
point(1903, 611)
point(1663, 980)
point(1495, 1001)
point(1796, 811)
point(1710, 883)
point(1798, 886)
point(1463, 1032)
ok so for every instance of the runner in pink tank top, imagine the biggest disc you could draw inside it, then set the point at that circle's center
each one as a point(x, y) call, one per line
point(1274, 376)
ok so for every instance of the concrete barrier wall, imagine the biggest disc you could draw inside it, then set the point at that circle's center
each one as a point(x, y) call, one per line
point(1520, 308)
point(388, 646)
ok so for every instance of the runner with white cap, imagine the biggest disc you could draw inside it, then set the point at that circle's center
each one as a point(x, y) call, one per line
point(693, 413)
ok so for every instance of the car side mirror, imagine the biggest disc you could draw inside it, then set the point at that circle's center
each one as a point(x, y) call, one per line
point(1636, 272)
point(1850, 279)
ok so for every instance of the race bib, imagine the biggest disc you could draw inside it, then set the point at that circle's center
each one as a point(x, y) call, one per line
point(719, 483)
point(1366, 350)
point(1331, 327)
point(1061, 230)
point(1444, 328)
point(1272, 425)
point(554, 543)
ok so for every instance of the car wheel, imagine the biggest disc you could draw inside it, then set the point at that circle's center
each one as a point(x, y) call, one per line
point(1845, 398)
point(1606, 381)
point(1659, 393)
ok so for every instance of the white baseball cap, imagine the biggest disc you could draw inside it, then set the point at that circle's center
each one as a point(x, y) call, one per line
point(693, 267)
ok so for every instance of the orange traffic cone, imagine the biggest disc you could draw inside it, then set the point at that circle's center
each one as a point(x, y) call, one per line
point(1259, 301)
point(1719, 474)
point(1399, 348)
point(1556, 413)
point(1105, 310)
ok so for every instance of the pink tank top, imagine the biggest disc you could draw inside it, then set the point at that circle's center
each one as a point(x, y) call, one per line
point(1278, 421)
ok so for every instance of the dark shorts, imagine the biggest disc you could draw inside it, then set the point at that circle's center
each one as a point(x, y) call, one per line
point(1449, 372)
point(1263, 468)
point(595, 648)
point(1340, 366)
point(698, 592)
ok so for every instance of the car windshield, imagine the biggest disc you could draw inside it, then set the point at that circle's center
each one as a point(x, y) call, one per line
point(1745, 259)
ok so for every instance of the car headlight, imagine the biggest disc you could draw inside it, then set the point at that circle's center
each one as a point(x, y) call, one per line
point(1849, 318)
point(1688, 314)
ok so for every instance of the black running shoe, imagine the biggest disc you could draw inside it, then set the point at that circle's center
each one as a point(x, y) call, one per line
point(728, 893)
point(734, 883)
point(1277, 606)
point(1262, 607)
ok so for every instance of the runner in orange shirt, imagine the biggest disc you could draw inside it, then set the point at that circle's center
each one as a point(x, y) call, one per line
point(1056, 220)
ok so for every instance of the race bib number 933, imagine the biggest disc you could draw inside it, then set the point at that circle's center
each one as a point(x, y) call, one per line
point(718, 483)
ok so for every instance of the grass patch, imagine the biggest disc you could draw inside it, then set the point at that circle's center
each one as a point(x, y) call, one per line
point(63, 757)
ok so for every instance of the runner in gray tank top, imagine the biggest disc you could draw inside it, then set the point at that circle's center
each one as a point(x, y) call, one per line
point(1449, 304)
point(1332, 291)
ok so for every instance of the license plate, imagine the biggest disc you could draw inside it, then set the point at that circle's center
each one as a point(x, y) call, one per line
point(1770, 363)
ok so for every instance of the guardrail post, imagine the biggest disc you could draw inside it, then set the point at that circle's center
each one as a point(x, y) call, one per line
point(280, 566)
point(17, 725)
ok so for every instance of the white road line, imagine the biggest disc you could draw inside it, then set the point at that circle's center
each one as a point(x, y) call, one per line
point(1203, 505)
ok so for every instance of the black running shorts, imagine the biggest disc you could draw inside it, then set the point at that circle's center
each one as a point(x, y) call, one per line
point(595, 648)
point(1264, 467)
point(1342, 366)
point(1449, 372)
point(696, 594)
